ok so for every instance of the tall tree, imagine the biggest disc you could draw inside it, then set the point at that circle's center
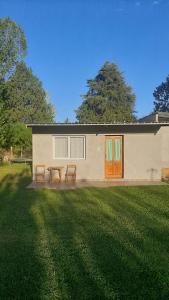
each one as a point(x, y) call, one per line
point(109, 98)
point(27, 100)
point(161, 95)
point(22, 97)
point(2, 126)
point(3, 116)
point(12, 46)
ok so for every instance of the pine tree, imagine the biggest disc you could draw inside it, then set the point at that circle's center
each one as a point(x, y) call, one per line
point(27, 100)
point(109, 98)
point(161, 95)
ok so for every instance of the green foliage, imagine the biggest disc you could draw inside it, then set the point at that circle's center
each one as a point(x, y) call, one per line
point(27, 100)
point(3, 116)
point(22, 97)
point(2, 126)
point(161, 95)
point(108, 99)
point(19, 136)
point(3, 90)
point(12, 46)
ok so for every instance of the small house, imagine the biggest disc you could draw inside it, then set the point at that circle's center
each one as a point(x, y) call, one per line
point(125, 151)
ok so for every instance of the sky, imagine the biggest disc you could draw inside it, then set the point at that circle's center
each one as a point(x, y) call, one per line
point(69, 41)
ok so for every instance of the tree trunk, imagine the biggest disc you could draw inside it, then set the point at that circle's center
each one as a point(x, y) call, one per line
point(11, 154)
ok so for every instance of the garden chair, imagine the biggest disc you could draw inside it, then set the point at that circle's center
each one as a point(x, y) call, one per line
point(39, 173)
point(70, 175)
point(165, 173)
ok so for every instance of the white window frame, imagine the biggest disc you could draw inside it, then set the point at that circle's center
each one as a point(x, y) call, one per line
point(69, 137)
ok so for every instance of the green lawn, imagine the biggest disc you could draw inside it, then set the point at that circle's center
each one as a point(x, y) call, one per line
point(90, 243)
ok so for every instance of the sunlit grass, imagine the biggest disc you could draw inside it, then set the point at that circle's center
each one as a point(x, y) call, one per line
point(88, 243)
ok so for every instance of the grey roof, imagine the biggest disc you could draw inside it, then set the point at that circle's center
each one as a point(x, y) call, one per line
point(163, 114)
point(159, 113)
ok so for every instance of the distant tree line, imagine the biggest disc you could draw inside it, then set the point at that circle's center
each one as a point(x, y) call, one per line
point(22, 96)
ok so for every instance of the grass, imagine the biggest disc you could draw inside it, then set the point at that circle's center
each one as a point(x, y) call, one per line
point(90, 243)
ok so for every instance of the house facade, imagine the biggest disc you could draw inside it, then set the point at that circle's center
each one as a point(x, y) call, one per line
point(133, 151)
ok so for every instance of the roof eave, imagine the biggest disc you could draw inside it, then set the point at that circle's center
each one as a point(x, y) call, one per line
point(95, 124)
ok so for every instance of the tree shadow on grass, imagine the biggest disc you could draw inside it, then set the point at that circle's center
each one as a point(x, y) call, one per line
point(102, 248)
point(21, 273)
point(144, 230)
point(83, 244)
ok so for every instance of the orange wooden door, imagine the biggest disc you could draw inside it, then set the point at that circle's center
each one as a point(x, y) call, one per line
point(113, 157)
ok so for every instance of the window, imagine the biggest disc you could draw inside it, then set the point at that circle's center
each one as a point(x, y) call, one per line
point(117, 149)
point(69, 147)
point(61, 147)
point(109, 149)
point(76, 147)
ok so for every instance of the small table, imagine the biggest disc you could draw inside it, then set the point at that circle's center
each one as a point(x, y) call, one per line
point(56, 168)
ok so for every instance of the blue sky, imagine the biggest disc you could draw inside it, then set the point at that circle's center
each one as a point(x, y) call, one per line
point(69, 41)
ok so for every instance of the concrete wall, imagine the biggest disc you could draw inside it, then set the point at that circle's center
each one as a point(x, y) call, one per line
point(144, 154)
point(92, 167)
point(164, 133)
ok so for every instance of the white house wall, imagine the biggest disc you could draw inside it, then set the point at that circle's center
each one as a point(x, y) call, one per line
point(144, 155)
